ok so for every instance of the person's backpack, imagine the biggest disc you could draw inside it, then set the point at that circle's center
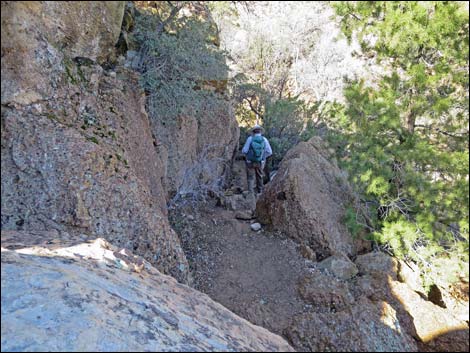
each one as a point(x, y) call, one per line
point(255, 153)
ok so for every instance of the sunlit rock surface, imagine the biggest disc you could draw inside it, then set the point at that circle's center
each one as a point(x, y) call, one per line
point(307, 201)
point(91, 296)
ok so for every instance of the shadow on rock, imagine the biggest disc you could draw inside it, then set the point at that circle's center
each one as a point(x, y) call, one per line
point(371, 311)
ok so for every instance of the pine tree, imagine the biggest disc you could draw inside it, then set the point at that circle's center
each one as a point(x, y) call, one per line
point(406, 140)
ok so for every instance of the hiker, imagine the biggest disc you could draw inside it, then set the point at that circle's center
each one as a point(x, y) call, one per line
point(256, 150)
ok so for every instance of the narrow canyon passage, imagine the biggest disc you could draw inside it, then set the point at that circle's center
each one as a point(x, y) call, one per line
point(253, 274)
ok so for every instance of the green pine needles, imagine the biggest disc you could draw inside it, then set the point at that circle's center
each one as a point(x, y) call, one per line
point(405, 141)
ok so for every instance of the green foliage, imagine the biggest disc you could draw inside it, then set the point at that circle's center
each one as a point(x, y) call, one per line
point(283, 123)
point(286, 121)
point(181, 65)
point(405, 142)
point(266, 61)
point(351, 222)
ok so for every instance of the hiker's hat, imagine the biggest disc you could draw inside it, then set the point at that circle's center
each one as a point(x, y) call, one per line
point(257, 127)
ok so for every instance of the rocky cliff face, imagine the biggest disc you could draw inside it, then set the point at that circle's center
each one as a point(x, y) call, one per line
point(198, 151)
point(73, 296)
point(83, 161)
point(79, 153)
point(38, 35)
point(371, 311)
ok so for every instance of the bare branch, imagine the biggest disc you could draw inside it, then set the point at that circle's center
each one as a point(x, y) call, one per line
point(254, 109)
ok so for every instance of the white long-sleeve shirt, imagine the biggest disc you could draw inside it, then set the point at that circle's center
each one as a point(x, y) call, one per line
point(267, 147)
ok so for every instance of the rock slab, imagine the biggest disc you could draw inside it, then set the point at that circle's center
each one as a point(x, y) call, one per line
point(307, 201)
point(80, 296)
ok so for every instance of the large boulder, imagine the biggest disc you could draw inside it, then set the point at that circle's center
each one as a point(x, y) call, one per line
point(365, 326)
point(307, 200)
point(372, 311)
point(73, 296)
point(434, 327)
point(85, 162)
point(78, 154)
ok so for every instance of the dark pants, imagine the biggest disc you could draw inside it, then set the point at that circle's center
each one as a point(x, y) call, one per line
point(254, 171)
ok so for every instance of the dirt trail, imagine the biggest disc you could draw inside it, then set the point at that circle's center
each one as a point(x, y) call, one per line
point(254, 274)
